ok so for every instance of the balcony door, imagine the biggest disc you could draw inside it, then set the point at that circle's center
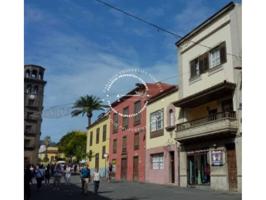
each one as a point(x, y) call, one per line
point(124, 168)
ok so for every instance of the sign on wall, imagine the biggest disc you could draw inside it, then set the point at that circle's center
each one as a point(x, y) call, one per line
point(217, 157)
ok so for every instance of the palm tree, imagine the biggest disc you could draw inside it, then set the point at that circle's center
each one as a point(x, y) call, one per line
point(86, 105)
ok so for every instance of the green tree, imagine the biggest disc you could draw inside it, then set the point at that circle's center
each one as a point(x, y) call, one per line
point(86, 105)
point(73, 144)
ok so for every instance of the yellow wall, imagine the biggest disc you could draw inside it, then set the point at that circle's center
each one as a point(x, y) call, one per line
point(97, 148)
point(202, 111)
point(51, 154)
point(168, 137)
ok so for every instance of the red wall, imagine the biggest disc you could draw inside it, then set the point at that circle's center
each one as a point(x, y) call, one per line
point(130, 132)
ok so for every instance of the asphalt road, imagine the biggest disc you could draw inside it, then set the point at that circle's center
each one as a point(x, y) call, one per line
point(127, 191)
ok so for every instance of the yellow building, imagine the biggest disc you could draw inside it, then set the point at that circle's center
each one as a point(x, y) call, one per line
point(98, 144)
point(161, 165)
point(52, 154)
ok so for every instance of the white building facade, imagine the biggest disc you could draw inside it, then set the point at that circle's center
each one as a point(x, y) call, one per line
point(210, 87)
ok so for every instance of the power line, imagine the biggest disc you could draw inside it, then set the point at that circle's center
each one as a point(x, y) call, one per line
point(159, 28)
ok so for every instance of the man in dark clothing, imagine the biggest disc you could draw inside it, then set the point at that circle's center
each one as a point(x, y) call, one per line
point(27, 180)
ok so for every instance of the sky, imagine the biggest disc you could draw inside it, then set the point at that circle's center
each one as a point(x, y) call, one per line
point(83, 44)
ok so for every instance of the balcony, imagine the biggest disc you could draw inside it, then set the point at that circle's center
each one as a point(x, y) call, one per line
point(222, 124)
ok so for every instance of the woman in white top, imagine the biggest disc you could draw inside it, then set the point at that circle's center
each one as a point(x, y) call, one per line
point(68, 174)
point(96, 180)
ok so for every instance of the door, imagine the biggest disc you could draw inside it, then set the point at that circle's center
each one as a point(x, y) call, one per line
point(136, 168)
point(172, 166)
point(124, 168)
point(96, 161)
point(232, 170)
point(191, 170)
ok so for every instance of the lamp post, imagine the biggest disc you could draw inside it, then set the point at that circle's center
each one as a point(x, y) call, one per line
point(105, 156)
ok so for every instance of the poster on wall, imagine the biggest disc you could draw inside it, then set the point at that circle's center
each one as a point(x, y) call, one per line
point(217, 157)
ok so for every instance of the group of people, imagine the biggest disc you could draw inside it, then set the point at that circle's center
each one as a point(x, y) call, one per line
point(44, 173)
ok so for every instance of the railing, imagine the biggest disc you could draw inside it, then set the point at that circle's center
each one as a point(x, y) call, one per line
point(207, 119)
point(124, 150)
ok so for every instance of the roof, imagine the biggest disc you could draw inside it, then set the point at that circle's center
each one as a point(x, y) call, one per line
point(101, 118)
point(153, 89)
point(34, 66)
point(206, 23)
point(160, 95)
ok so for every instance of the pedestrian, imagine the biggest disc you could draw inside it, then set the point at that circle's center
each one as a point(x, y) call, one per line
point(68, 174)
point(57, 176)
point(39, 177)
point(27, 181)
point(85, 177)
point(47, 174)
point(96, 180)
point(110, 171)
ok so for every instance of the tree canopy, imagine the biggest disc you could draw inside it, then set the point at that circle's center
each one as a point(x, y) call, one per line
point(73, 144)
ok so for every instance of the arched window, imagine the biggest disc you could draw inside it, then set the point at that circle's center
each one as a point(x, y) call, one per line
point(28, 89)
point(35, 90)
point(27, 74)
point(34, 74)
point(171, 117)
point(40, 76)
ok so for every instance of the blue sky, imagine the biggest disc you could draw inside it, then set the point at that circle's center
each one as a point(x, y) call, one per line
point(82, 44)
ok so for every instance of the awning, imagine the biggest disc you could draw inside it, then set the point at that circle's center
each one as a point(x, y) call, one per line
point(215, 92)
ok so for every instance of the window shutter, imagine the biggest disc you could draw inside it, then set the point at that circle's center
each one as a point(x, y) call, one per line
point(223, 53)
point(206, 62)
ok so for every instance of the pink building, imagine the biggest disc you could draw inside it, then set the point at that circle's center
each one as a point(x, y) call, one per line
point(128, 131)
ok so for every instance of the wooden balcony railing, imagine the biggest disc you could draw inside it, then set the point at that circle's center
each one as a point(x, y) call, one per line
point(204, 120)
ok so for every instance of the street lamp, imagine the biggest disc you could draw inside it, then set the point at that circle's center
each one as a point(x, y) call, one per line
point(105, 156)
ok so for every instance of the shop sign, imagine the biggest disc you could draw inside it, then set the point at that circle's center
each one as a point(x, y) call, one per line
point(217, 157)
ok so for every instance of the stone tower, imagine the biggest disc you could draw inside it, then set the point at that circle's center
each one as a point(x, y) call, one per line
point(33, 106)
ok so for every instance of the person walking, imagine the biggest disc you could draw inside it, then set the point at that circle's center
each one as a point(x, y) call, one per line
point(27, 181)
point(39, 177)
point(57, 176)
point(85, 177)
point(96, 180)
point(68, 174)
point(47, 175)
point(110, 171)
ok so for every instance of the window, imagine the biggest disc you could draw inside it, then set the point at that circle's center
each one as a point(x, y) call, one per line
point(217, 55)
point(34, 74)
point(97, 135)
point(115, 123)
point(137, 117)
point(199, 65)
point(156, 120)
point(27, 142)
point(27, 73)
point(35, 90)
point(91, 138)
point(171, 117)
point(208, 60)
point(103, 152)
point(114, 145)
point(104, 133)
point(157, 161)
point(28, 89)
point(124, 145)
point(90, 155)
point(125, 118)
point(28, 128)
point(40, 76)
point(136, 141)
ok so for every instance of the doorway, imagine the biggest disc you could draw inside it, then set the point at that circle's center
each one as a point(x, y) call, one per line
point(97, 161)
point(198, 169)
point(124, 168)
point(136, 168)
point(232, 170)
point(172, 166)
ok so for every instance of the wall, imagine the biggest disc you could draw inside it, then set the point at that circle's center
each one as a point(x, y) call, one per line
point(97, 148)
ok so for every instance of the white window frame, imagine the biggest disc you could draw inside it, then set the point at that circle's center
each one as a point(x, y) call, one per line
point(156, 120)
point(157, 161)
point(214, 57)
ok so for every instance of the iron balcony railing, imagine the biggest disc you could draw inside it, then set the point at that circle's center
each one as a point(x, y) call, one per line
point(208, 119)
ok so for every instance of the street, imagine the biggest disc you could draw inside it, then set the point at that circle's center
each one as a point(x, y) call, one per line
point(127, 191)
